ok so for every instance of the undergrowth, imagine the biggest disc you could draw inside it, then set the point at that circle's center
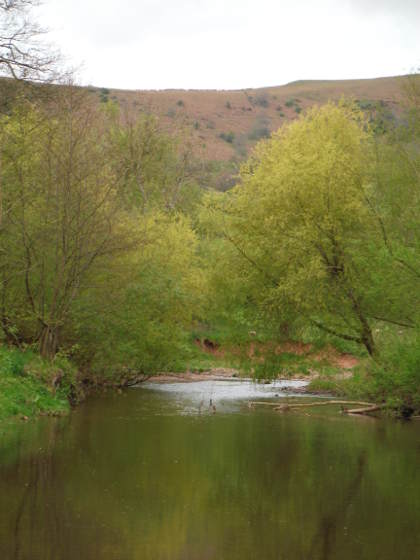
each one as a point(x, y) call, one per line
point(30, 386)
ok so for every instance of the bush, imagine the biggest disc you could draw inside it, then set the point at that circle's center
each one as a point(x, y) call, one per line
point(396, 379)
point(180, 103)
point(393, 380)
point(228, 105)
point(259, 132)
point(228, 137)
point(262, 100)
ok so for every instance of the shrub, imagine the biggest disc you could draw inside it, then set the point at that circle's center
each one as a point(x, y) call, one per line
point(262, 100)
point(228, 137)
point(180, 103)
point(393, 380)
point(259, 132)
point(228, 105)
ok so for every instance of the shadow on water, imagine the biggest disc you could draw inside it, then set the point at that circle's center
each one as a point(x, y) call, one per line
point(144, 476)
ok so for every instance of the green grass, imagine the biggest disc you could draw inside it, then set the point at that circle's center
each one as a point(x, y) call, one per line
point(26, 387)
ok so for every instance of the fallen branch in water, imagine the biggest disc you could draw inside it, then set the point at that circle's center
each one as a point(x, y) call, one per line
point(253, 403)
point(364, 407)
point(365, 410)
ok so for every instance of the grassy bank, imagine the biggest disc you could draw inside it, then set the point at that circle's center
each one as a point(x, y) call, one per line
point(30, 386)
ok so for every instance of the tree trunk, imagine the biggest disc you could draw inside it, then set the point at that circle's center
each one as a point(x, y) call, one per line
point(367, 339)
point(48, 342)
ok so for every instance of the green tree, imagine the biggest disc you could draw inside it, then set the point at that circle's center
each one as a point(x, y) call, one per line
point(137, 316)
point(156, 170)
point(301, 220)
point(59, 213)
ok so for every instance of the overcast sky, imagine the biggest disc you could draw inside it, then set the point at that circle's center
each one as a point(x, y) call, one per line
point(226, 44)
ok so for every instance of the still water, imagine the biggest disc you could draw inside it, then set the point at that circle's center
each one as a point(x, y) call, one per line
point(157, 474)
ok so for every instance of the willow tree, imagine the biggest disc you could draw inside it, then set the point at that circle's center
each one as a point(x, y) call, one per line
point(301, 222)
point(60, 213)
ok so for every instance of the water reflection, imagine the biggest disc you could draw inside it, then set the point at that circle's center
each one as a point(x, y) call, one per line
point(133, 477)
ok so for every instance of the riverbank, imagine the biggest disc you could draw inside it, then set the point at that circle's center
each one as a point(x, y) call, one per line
point(31, 386)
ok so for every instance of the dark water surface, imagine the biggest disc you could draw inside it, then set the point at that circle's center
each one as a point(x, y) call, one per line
point(144, 476)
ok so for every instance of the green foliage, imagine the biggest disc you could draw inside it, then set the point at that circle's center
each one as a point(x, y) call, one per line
point(56, 222)
point(154, 169)
point(95, 208)
point(305, 232)
point(26, 387)
point(110, 252)
point(147, 301)
point(394, 380)
point(180, 103)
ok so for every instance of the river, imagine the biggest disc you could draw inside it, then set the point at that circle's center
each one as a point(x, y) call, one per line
point(161, 473)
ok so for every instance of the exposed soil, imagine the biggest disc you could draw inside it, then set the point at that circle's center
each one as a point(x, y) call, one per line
point(215, 374)
point(257, 350)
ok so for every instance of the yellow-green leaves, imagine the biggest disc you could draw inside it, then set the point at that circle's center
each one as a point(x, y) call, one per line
point(300, 220)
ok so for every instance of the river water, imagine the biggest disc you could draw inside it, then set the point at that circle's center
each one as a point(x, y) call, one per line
point(157, 474)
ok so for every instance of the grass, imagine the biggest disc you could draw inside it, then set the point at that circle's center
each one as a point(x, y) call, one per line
point(27, 388)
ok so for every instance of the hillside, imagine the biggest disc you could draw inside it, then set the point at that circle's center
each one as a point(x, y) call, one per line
point(225, 124)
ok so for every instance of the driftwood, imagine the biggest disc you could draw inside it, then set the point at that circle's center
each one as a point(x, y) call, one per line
point(365, 410)
point(253, 403)
point(363, 407)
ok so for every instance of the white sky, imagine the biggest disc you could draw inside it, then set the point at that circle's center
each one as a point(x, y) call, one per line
point(229, 44)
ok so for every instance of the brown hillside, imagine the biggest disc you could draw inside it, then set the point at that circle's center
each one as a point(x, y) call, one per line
point(226, 124)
